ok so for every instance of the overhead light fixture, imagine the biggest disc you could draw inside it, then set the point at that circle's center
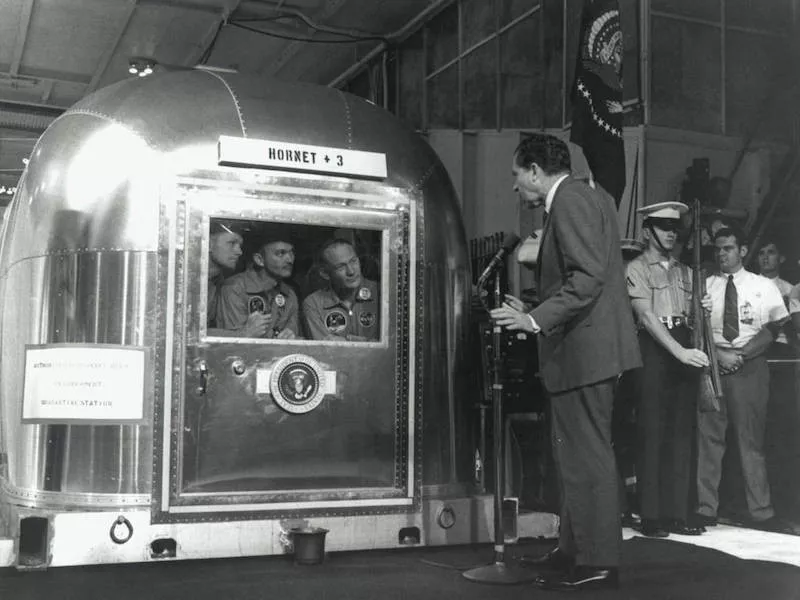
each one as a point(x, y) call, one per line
point(141, 66)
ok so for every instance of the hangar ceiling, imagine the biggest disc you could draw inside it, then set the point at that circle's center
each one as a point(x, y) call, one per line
point(54, 52)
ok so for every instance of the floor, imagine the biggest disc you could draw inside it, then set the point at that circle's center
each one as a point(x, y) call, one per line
point(727, 563)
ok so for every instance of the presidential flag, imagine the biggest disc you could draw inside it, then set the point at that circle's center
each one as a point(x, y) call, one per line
point(597, 95)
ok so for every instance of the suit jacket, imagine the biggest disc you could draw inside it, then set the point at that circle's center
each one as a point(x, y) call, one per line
point(587, 331)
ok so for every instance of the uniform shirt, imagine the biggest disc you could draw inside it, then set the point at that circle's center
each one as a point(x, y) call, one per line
point(214, 284)
point(666, 285)
point(760, 303)
point(328, 318)
point(246, 293)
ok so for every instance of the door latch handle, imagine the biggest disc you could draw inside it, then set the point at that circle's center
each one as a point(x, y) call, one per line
point(202, 369)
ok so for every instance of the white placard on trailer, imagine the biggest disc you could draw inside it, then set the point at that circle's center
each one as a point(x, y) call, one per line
point(285, 156)
point(84, 384)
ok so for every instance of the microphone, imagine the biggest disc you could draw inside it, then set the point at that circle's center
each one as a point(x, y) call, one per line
point(510, 244)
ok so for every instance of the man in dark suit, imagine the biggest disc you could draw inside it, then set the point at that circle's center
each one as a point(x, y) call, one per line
point(586, 339)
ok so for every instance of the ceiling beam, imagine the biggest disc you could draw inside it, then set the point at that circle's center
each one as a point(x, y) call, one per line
point(33, 108)
point(197, 51)
point(188, 5)
point(292, 48)
point(22, 36)
point(109, 54)
point(30, 78)
point(48, 74)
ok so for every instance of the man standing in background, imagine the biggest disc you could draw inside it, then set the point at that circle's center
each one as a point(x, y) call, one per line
point(586, 339)
point(747, 312)
point(770, 259)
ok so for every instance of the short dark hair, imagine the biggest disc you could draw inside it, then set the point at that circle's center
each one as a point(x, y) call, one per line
point(547, 151)
point(733, 232)
point(771, 242)
point(271, 232)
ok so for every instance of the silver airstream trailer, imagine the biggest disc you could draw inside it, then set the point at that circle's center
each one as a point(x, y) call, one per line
point(132, 429)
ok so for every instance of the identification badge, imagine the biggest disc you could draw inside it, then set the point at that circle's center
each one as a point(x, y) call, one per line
point(280, 300)
point(746, 314)
point(364, 293)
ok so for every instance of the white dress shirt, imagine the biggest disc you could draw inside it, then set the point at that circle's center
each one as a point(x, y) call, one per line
point(786, 289)
point(759, 302)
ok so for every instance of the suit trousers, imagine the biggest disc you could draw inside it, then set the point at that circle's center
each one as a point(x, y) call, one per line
point(665, 426)
point(581, 438)
point(744, 408)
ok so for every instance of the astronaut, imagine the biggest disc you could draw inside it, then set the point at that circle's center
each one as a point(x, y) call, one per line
point(348, 308)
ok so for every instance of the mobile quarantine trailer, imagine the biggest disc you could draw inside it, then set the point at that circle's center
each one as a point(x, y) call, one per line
point(131, 429)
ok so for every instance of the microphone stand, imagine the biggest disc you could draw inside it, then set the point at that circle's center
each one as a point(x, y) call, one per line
point(498, 572)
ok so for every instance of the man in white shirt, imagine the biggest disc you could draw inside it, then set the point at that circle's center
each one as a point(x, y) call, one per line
point(794, 307)
point(770, 259)
point(746, 315)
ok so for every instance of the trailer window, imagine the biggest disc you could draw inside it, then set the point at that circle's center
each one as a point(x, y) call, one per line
point(284, 281)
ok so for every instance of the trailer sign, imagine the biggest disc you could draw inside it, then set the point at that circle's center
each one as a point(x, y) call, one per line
point(266, 154)
point(71, 383)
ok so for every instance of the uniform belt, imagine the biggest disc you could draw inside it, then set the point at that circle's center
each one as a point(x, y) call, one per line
point(671, 322)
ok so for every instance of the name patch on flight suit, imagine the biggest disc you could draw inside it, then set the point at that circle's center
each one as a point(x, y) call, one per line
point(260, 303)
point(336, 322)
point(256, 304)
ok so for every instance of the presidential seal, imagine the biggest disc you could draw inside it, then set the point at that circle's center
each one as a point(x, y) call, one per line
point(297, 383)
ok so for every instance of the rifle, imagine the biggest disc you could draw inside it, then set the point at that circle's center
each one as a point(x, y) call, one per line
point(702, 335)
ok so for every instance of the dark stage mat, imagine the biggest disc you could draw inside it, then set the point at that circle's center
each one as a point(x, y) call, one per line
point(651, 570)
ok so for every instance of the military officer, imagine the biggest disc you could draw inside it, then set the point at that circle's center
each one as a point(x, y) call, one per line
point(660, 289)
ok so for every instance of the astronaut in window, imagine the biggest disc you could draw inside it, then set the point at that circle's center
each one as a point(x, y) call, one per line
point(259, 303)
point(347, 309)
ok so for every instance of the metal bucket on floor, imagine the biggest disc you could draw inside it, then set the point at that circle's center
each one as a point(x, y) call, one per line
point(309, 545)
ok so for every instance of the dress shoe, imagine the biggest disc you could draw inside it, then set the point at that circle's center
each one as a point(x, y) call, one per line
point(773, 524)
point(581, 577)
point(704, 520)
point(682, 527)
point(653, 528)
point(630, 520)
point(555, 559)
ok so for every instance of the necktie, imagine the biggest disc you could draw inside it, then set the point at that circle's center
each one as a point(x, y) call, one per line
point(730, 316)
